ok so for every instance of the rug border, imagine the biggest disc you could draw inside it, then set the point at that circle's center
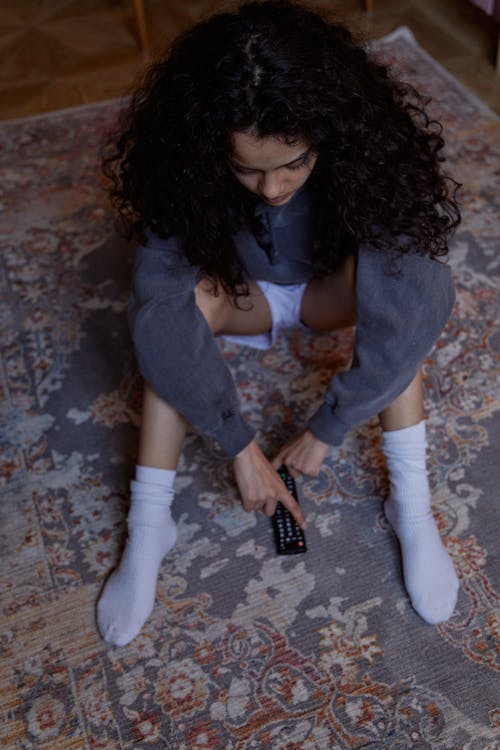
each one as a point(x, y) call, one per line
point(101, 103)
point(400, 32)
point(405, 32)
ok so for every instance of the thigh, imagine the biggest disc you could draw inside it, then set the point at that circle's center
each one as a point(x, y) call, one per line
point(247, 315)
point(330, 303)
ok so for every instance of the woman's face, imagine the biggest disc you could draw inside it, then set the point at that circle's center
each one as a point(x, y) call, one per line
point(271, 168)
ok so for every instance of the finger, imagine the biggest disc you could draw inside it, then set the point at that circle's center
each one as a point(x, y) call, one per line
point(270, 507)
point(289, 502)
point(282, 461)
point(277, 461)
point(251, 506)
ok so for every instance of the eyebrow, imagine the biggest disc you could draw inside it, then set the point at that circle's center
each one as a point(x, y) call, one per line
point(288, 164)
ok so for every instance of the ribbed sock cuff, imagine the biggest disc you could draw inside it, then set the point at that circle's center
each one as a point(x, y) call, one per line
point(405, 451)
point(151, 496)
point(162, 477)
point(413, 435)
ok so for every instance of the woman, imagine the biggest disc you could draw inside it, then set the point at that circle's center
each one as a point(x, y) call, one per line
point(275, 175)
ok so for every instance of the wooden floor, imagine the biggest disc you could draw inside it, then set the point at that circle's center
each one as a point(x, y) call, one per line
point(62, 53)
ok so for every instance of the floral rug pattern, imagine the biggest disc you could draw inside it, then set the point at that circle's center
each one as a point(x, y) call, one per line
point(244, 650)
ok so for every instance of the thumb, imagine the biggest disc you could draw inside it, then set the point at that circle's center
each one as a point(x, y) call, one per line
point(277, 461)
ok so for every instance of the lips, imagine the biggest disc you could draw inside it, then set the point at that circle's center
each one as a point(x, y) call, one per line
point(280, 199)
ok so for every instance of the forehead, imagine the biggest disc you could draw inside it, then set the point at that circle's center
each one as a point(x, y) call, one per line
point(264, 153)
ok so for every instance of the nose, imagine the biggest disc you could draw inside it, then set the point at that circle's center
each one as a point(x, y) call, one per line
point(270, 186)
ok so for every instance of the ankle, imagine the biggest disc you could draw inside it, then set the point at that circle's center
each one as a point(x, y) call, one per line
point(152, 475)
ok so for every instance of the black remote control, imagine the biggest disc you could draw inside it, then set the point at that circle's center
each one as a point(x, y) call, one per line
point(290, 539)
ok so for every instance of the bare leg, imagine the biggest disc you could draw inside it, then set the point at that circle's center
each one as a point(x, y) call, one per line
point(330, 303)
point(407, 409)
point(429, 575)
point(128, 596)
point(251, 316)
point(163, 431)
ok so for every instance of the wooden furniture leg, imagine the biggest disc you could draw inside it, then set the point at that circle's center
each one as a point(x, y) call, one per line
point(141, 24)
point(369, 6)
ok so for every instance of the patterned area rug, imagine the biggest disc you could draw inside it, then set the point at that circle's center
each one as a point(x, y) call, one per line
point(245, 650)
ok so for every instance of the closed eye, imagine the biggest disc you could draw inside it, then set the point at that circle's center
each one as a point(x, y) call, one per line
point(242, 170)
point(302, 162)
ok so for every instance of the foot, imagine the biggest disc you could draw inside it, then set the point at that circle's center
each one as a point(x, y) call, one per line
point(429, 574)
point(129, 594)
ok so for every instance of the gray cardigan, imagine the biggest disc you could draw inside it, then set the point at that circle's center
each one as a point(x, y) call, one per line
point(399, 317)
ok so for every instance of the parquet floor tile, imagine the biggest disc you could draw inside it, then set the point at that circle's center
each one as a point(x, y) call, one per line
point(62, 53)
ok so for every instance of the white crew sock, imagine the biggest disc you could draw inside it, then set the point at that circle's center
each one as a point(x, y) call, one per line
point(129, 594)
point(429, 575)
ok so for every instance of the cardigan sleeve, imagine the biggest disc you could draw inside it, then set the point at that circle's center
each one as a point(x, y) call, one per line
point(177, 352)
point(403, 303)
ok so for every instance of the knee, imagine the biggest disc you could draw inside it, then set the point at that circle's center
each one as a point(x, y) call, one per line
point(212, 302)
point(349, 272)
point(351, 310)
point(346, 293)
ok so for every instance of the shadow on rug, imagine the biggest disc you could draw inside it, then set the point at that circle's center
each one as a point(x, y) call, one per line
point(244, 650)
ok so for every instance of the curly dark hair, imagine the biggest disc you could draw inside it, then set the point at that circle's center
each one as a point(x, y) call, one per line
point(276, 68)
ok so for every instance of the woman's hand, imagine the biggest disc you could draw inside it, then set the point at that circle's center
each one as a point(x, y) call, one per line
point(303, 454)
point(260, 485)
